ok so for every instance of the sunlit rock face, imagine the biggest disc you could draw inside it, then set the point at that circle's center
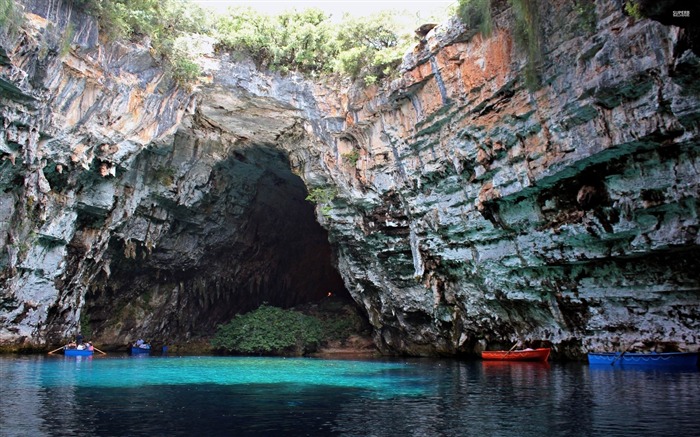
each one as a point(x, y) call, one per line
point(464, 209)
point(567, 214)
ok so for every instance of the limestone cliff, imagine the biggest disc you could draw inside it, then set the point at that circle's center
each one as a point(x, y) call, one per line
point(134, 208)
point(464, 208)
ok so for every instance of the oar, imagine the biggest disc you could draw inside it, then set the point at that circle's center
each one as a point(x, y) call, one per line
point(620, 356)
point(56, 350)
point(103, 353)
point(512, 349)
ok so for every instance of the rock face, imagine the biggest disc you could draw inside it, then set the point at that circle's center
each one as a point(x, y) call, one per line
point(565, 214)
point(464, 209)
point(132, 208)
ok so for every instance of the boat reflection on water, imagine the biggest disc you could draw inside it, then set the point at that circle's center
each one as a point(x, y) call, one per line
point(516, 370)
point(516, 376)
point(509, 366)
point(78, 358)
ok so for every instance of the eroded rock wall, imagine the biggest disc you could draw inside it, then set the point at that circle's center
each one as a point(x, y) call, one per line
point(481, 212)
point(465, 209)
point(135, 208)
point(75, 115)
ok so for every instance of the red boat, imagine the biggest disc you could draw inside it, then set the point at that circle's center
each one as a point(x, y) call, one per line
point(539, 354)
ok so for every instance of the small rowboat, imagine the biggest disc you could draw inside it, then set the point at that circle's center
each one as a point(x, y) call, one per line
point(539, 354)
point(140, 350)
point(624, 359)
point(77, 352)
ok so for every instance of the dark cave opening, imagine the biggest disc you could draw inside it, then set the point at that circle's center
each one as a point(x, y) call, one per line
point(253, 238)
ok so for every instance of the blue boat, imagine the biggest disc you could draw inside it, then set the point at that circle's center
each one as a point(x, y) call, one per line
point(653, 359)
point(144, 349)
point(77, 352)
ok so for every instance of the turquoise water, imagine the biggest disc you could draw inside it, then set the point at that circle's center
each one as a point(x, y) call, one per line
point(382, 378)
point(212, 396)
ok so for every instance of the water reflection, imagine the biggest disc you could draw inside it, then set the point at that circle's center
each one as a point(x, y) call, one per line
point(666, 400)
point(20, 399)
point(247, 397)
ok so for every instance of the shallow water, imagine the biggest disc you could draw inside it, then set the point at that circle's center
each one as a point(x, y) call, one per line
point(212, 396)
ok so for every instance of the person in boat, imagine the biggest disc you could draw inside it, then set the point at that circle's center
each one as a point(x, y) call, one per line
point(71, 345)
point(79, 338)
point(139, 342)
point(90, 347)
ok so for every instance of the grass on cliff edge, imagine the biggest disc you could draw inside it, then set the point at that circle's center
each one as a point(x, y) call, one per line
point(11, 17)
point(306, 41)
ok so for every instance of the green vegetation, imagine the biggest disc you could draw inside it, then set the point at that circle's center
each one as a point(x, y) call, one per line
point(476, 14)
point(367, 48)
point(85, 327)
point(270, 330)
point(164, 174)
point(352, 157)
point(161, 20)
point(370, 48)
point(322, 196)
point(167, 23)
point(585, 9)
point(274, 331)
point(301, 41)
point(633, 9)
point(527, 36)
point(66, 39)
point(11, 17)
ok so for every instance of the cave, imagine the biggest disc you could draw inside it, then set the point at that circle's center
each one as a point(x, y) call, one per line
point(252, 238)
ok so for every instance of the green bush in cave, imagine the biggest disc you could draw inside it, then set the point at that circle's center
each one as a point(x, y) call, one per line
point(270, 331)
point(633, 9)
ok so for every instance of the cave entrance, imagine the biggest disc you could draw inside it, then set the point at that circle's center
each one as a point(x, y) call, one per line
point(251, 238)
point(280, 249)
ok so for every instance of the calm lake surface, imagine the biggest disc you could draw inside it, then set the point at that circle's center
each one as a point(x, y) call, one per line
point(222, 396)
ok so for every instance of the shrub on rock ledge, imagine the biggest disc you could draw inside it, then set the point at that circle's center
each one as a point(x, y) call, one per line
point(270, 331)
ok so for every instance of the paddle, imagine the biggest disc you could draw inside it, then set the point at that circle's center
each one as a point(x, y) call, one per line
point(56, 350)
point(103, 353)
point(620, 356)
point(511, 349)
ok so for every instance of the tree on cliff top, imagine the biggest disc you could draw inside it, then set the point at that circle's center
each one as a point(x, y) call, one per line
point(301, 41)
point(165, 23)
point(309, 42)
point(10, 17)
point(306, 41)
